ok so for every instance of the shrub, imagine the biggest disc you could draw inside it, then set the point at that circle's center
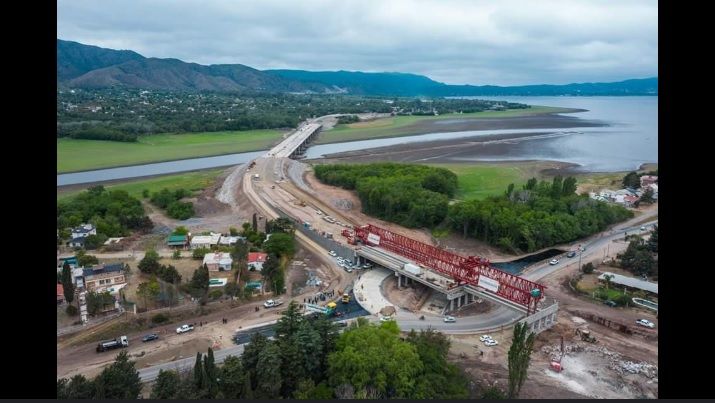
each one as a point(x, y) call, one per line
point(215, 294)
point(160, 318)
point(588, 268)
point(71, 310)
point(200, 253)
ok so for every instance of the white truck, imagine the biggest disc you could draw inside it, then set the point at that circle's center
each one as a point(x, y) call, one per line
point(414, 269)
point(272, 303)
point(119, 342)
point(184, 329)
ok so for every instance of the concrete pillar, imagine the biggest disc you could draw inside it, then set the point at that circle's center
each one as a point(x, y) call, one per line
point(399, 280)
point(451, 304)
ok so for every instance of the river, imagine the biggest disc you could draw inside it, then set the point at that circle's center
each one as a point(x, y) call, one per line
point(630, 139)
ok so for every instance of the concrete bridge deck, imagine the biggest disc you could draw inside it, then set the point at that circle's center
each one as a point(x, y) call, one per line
point(296, 143)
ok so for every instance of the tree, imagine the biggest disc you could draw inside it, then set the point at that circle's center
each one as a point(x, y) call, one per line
point(493, 393)
point(569, 186)
point(84, 260)
point(519, 357)
point(78, 387)
point(67, 283)
point(653, 240)
point(94, 241)
point(255, 223)
point(96, 302)
point(647, 196)
point(632, 180)
point(281, 244)
point(148, 290)
point(199, 253)
point(557, 187)
point(150, 262)
point(120, 380)
point(233, 378)
point(166, 385)
point(268, 372)
point(145, 193)
point(180, 230)
point(232, 231)
point(588, 268)
point(210, 374)
point(608, 278)
point(200, 282)
point(176, 254)
point(373, 357)
point(249, 358)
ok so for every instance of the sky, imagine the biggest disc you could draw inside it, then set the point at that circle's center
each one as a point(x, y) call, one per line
point(500, 42)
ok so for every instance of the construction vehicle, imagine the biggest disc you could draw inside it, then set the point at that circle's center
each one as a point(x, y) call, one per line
point(556, 364)
point(585, 335)
point(346, 298)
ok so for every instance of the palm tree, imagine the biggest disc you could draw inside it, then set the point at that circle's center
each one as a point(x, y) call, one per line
point(608, 278)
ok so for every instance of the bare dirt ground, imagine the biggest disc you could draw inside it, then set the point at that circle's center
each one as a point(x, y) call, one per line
point(411, 297)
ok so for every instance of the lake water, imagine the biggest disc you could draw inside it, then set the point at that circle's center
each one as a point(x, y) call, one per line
point(630, 140)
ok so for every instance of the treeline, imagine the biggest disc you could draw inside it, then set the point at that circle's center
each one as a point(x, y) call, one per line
point(114, 214)
point(408, 194)
point(125, 114)
point(641, 256)
point(539, 215)
point(306, 359)
point(347, 119)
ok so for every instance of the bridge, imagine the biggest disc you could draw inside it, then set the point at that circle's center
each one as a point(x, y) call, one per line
point(461, 279)
point(295, 144)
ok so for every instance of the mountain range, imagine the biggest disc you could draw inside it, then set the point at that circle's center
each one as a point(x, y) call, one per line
point(85, 66)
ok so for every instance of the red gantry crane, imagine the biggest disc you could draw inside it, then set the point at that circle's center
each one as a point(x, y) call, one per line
point(471, 270)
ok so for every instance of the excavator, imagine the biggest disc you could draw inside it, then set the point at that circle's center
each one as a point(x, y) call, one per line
point(585, 335)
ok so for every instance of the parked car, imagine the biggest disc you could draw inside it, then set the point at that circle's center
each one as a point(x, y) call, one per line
point(150, 337)
point(646, 323)
point(571, 254)
point(610, 303)
point(332, 253)
point(485, 337)
point(386, 318)
point(348, 269)
point(491, 343)
point(449, 319)
point(643, 228)
point(184, 329)
point(554, 261)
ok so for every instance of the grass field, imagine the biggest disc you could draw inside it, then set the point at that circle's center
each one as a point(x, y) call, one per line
point(402, 125)
point(478, 181)
point(190, 180)
point(81, 155)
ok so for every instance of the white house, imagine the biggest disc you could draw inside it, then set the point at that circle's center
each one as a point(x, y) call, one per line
point(84, 230)
point(201, 241)
point(215, 238)
point(230, 240)
point(256, 260)
point(219, 261)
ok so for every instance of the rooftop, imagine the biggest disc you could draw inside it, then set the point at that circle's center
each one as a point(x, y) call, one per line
point(107, 268)
point(631, 282)
point(217, 258)
point(257, 257)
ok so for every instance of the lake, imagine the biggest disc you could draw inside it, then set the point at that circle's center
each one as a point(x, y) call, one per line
point(630, 140)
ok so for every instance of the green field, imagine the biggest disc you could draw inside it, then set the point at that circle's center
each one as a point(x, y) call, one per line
point(402, 125)
point(82, 155)
point(478, 181)
point(193, 181)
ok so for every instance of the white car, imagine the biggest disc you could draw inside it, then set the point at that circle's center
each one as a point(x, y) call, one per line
point(449, 319)
point(184, 329)
point(386, 318)
point(554, 261)
point(491, 343)
point(485, 337)
point(646, 323)
point(332, 253)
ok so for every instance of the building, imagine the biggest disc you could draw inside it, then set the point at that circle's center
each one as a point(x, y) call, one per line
point(77, 242)
point(104, 278)
point(628, 201)
point(60, 294)
point(72, 261)
point(200, 241)
point(219, 261)
point(630, 282)
point(178, 241)
point(230, 240)
point(84, 230)
point(648, 180)
point(256, 260)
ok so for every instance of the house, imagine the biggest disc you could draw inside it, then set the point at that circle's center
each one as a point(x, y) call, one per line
point(76, 242)
point(214, 238)
point(200, 241)
point(629, 200)
point(230, 240)
point(102, 278)
point(219, 261)
point(78, 276)
point(648, 180)
point(178, 241)
point(72, 261)
point(60, 294)
point(256, 260)
point(84, 230)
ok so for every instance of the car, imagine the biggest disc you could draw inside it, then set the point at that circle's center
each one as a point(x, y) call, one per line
point(386, 318)
point(332, 253)
point(610, 303)
point(150, 337)
point(491, 343)
point(646, 323)
point(449, 319)
point(485, 337)
point(348, 269)
point(571, 254)
point(184, 329)
point(554, 261)
point(643, 228)
point(582, 249)
point(341, 324)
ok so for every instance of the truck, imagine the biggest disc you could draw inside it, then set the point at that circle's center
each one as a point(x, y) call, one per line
point(272, 303)
point(414, 269)
point(184, 329)
point(346, 298)
point(119, 342)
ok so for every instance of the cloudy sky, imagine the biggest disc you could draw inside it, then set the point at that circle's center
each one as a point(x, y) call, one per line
point(496, 42)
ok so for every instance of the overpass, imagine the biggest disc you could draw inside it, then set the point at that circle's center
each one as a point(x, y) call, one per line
point(295, 144)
